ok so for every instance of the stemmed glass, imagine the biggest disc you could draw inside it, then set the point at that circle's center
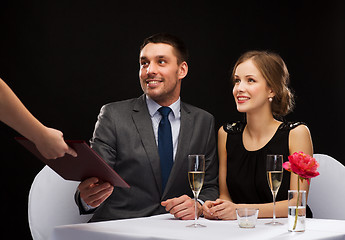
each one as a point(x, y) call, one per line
point(274, 167)
point(196, 174)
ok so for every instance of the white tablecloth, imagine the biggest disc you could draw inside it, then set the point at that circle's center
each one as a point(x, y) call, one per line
point(167, 227)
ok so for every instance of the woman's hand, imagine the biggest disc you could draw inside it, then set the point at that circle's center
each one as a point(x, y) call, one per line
point(220, 209)
point(206, 208)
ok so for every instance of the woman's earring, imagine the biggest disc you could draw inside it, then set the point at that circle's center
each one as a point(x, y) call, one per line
point(270, 99)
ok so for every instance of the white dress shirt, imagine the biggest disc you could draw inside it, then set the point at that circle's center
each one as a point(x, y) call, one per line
point(174, 118)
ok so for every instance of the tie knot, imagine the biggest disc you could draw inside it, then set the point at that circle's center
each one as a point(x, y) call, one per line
point(164, 111)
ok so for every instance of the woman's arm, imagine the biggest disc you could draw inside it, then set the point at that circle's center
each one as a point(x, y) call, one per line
point(300, 140)
point(222, 156)
point(223, 188)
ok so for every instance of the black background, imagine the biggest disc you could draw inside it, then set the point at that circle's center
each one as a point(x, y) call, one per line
point(65, 59)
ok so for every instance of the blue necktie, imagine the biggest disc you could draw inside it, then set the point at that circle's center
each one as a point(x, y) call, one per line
point(165, 145)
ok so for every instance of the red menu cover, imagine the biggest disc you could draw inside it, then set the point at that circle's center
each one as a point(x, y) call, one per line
point(87, 164)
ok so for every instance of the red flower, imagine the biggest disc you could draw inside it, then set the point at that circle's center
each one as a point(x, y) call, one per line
point(303, 165)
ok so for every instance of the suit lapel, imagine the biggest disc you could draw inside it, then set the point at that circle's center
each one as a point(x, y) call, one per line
point(185, 135)
point(143, 123)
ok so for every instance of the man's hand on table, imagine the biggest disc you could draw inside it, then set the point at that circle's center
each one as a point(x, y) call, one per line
point(94, 192)
point(182, 207)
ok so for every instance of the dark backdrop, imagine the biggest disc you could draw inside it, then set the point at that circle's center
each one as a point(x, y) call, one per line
point(66, 58)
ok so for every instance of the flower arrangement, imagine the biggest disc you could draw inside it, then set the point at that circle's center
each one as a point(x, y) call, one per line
point(305, 167)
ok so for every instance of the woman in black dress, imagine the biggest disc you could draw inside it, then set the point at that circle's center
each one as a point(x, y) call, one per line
point(261, 92)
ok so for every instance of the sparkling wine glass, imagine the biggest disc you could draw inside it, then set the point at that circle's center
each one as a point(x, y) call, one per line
point(274, 167)
point(196, 174)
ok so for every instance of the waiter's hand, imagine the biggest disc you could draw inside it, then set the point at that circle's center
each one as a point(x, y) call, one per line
point(51, 144)
point(182, 207)
point(94, 192)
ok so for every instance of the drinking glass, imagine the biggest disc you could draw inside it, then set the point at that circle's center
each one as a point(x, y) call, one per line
point(247, 217)
point(274, 167)
point(196, 174)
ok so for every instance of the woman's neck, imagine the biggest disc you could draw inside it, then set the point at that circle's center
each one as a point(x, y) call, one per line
point(261, 124)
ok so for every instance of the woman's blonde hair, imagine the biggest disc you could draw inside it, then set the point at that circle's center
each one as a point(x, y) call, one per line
point(274, 70)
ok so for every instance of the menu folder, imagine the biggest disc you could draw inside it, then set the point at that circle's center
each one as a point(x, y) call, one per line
point(87, 164)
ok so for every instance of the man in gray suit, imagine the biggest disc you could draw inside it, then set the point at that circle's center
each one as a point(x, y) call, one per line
point(126, 135)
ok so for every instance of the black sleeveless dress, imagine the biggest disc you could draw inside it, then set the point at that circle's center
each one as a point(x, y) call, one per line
point(246, 170)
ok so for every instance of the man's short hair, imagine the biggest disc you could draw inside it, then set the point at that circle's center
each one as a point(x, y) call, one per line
point(180, 48)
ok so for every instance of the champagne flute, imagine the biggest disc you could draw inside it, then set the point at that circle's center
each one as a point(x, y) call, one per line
point(196, 174)
point(274, 167)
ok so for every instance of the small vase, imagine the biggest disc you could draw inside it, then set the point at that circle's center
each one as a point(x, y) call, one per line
point(297, 210)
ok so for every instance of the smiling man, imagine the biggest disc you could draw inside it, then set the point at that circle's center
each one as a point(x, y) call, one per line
point(161, 73)
point(147, 141)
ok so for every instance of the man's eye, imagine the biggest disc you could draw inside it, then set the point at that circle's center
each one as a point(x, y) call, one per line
point(143, 64)
point(161, 61)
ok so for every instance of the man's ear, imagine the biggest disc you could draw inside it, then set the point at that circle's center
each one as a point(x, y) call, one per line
point(183, 70)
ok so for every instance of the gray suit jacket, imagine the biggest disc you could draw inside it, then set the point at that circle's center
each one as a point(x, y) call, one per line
point(124, 137)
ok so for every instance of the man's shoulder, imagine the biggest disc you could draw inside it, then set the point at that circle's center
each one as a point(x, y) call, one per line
point(121, 106)
point(195, 110)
